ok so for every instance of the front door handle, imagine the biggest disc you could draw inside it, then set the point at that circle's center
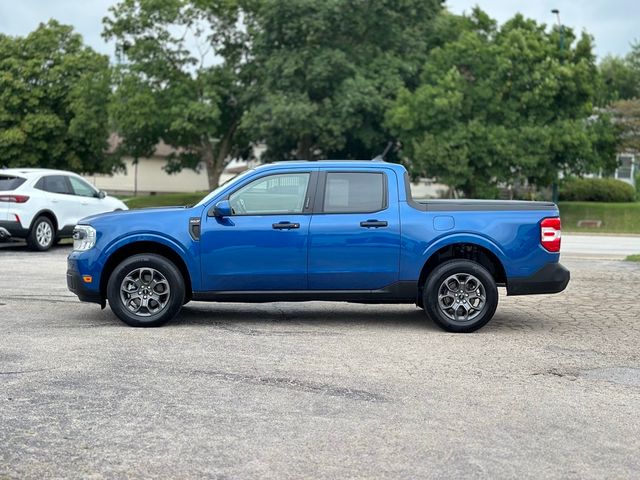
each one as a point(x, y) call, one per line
point(374, 223)
point(285, 225)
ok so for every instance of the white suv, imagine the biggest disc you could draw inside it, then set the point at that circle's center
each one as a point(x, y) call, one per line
point(43, 206)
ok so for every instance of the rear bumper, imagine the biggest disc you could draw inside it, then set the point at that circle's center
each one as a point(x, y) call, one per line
point(77, 286)
point(12, 229)
point(552, 278)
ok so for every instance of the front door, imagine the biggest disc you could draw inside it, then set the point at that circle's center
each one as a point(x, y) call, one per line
point(355, 232)
point(263, 244)
point(88, 201)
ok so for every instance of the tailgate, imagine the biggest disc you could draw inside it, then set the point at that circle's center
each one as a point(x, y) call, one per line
point(8, 184)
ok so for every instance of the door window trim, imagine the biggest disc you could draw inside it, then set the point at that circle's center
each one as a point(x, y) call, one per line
point(318, 207)
point(308, 202)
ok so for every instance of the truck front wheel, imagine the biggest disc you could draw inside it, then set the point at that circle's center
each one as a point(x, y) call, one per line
point(146, 290)
point(460, 296)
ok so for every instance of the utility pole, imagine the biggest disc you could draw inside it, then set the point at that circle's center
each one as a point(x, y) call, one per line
point(554, 186)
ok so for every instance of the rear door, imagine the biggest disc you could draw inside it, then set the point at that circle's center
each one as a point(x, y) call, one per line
point(354, 236)
point(60, 199)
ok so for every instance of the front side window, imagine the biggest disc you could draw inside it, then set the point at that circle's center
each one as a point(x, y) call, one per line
point(275, 194)
point(347, 192)
point(81, 188)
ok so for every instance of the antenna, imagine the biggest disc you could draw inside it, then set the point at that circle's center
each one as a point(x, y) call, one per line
point(380, 158)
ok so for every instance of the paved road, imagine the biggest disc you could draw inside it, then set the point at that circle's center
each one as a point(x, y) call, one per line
point(601, 246)
point(549, 389)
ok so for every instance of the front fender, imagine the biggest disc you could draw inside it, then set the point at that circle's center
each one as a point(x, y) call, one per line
point(188, 253)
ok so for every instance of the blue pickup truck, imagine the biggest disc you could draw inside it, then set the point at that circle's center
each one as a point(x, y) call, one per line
point(328, 230)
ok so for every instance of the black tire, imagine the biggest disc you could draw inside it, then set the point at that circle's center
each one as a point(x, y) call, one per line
point(42, 235)
point(479, 303)
point(152, 272)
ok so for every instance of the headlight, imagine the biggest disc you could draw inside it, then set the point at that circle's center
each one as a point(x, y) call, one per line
point(84, 238)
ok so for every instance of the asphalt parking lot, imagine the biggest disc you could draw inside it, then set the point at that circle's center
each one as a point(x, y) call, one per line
point(549, 389)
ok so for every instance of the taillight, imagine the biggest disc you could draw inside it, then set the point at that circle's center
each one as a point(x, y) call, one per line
point(14, 198)
point(551, 233)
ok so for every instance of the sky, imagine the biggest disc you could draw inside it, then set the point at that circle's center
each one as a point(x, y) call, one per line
point(613, 23)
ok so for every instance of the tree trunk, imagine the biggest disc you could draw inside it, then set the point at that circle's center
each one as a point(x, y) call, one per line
point(303, 152)
point(217, 159)
point(208, 156)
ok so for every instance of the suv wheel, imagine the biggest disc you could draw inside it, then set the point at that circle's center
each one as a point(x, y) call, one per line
point(42, 235)
point(460, 296)
point(146, 290)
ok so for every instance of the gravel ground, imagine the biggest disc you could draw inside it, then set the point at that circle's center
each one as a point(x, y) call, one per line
point(550, 388)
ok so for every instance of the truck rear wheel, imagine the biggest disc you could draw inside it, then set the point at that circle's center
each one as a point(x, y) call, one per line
point(146, 290)
point(460, 296)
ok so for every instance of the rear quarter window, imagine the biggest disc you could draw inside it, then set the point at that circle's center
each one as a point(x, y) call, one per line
point(10, 182)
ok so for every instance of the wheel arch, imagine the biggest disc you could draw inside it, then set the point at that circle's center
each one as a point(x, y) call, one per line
point(142, 247)
point(463, 250)
point(50, 215)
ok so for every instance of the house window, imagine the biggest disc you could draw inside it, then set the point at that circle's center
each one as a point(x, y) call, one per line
point(625, 170)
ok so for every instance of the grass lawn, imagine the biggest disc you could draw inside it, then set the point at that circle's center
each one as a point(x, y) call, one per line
point(165, 200)
point(616, 217)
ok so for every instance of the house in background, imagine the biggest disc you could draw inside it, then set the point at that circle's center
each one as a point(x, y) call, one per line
point(628, 166)
point(148, 176)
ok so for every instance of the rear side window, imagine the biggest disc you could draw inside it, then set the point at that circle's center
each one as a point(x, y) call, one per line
point(10, 182)
point(347, 192)
point(54, 184)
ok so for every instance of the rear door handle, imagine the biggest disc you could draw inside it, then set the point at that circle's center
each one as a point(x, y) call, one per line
point(285, 225)
point(374, 223)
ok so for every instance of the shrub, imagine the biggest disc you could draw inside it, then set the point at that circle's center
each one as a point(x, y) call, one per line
point(597, 190)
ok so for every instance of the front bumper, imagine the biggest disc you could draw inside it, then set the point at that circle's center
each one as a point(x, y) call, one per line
point(76, 285)
point(552, 278)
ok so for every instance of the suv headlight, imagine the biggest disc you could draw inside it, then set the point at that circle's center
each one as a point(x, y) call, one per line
point(84, 238)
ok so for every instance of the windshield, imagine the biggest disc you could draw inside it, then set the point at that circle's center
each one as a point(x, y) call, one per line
point(215, 192)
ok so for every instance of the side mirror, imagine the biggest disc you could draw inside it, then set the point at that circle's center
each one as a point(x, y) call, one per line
point(222, 209)
point(102, 194)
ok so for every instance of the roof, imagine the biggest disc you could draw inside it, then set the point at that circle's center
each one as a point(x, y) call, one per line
point(338, 164)
point(27, 171)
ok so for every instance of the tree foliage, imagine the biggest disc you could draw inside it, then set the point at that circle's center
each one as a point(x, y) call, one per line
point(54, 95)
point(180, 80)
point(504, 105)
point(626, 115)
point(326, 72)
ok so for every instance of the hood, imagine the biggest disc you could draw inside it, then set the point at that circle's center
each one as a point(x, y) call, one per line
point(139, 215)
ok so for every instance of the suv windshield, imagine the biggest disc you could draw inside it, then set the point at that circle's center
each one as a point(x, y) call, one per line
point(10, 182)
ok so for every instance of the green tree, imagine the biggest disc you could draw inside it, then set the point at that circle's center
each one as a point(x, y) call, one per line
point(180, 80)
point(326, 71)
point(54, 93)
point(626, 114)
point(620, 80)
point(503, 105)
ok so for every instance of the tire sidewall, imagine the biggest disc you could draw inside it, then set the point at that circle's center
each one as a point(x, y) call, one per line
point(32, 239)
point(164, 266)
point(435, 279)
